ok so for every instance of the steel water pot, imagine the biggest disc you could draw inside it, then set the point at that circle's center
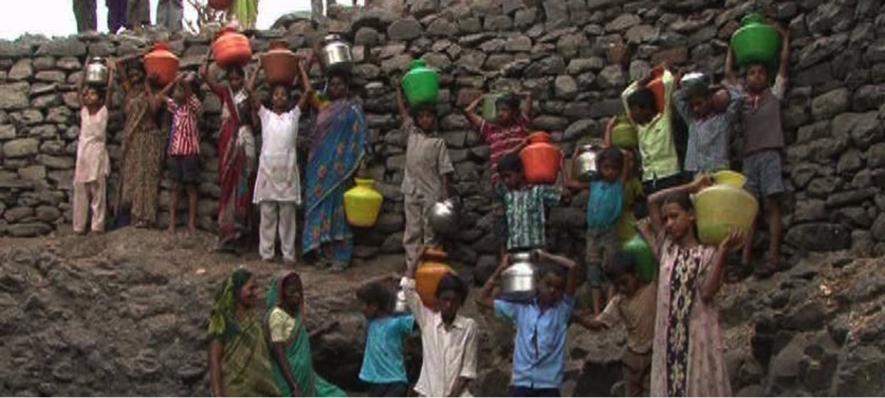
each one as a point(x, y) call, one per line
point(518, 281)
point(586, 163)
point(96, 72)
point(336, 55)
point(444, 217)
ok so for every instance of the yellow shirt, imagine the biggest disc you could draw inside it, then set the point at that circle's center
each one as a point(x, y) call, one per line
point(656, 145)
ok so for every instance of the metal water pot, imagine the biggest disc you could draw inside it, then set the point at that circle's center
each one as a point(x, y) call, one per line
point(586, 163)
point(443, 217)
point(399, 305)
point(336, 55)
point(96, 72)
point(518, 281)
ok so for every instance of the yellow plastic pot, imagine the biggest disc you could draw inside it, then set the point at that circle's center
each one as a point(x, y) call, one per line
point(731, 178)
point(720, 208)
point(362, 204)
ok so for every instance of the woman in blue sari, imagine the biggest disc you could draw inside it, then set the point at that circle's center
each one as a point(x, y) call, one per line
point(338, 147)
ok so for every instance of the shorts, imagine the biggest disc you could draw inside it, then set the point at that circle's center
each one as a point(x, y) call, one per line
point(600, 246)
point(637, 373)
point(764, 174)
point(184, 169)
point(651, 186)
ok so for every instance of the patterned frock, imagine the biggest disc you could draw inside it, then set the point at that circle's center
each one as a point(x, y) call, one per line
point(688, 358)
point(143, 167)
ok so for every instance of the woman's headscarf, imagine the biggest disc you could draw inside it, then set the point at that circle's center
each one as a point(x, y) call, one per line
point(226, 302)
point(275, 289)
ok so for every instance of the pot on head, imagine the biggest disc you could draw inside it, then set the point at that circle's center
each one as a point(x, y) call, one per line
point(336, 55)
point(518, 281)
point(586, 163)
point(96, 72)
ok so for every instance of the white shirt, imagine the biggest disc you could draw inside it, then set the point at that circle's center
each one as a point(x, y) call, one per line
point(278, 178)
point(448, 354)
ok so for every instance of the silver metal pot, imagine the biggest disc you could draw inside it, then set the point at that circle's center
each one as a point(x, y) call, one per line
point(443, 217)
point(336, 55)
point(518, 281)
point(96, 72)
point(585, 163)
point(399, 306)
point(694, 78)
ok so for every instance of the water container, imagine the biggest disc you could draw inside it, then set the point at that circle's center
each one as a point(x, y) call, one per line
point(362, 204)
point(231, 49)
point(724, 206)
point(756, 41)
point(624, 135)
point(161, 63)
point(541, 160)
point(280, 64)
point(645, 258)
point(431, 268)
point(421, 84)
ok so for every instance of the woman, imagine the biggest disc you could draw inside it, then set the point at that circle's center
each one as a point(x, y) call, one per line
point(236, 157)
point(293, 366)
point(239, 359)
point(245, 12)
point(143, 145)
point(338, 148)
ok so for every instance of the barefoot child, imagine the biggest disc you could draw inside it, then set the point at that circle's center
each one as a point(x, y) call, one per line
point(633, 306)
point(708, 131)
point(184, 146)
point(688, 358)
point(383, 363)
point(93, 165)
point(426, 182)
point(278, 186)
point(541, 325)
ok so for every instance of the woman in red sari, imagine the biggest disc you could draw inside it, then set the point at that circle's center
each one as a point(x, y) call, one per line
point(236, 158)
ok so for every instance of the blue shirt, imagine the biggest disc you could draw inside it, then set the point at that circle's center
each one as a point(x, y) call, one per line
point(605, 205)
point(539, 360)
point(383, 361)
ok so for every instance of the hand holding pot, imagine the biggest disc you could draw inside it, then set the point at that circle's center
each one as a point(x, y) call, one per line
point(734, 240)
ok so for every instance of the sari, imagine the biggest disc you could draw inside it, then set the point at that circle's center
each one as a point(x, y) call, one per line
point(143, 165)
point(236, 153)
point(246, 362)
point(339, 145)
point(297, 350)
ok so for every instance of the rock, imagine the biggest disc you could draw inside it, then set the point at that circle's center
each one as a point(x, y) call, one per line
point(549, 66)
point(821, 49)
point(878, 228)
point(22, 70)
point(9, 49)
point(828, 105)
point(442, 28)
point(393, 244)
point(404, 30)
point(498, 23)
point(580, 129)
point(21, 147)
point(622, 23)
point(611, 77)
point(367, 36)
point(849, 162)
point(17, 214)
point(519, 43)
point(32, 173)
point(819, 237)
point(47, 213)
point(876, 156)
point(14, 96)
point(581, 65)
point(565, 87)
point(7, 132)
point(807, 317)
point(70, 47)
point(550, 123)
point(868, 97)
point(810, 210)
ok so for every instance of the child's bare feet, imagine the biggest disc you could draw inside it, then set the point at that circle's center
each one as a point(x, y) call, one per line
point(192, 229)
point(171, 229)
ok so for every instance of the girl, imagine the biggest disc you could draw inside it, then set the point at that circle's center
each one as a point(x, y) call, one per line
point(688, 357)
point(278, 186)
point(338, 149)
point(93, 165)
point(239, 359)
point(293, 367)
point(236, 156)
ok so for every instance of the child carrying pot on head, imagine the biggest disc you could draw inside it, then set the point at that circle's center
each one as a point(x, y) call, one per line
point(426, 180)
point(688, 358)
point(524, 206)
point(708, 128)
point(383, 363)
point(541, 325)
point(633, 305)
point(505, 136)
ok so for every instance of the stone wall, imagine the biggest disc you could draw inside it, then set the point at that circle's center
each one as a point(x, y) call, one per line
point(833, 113)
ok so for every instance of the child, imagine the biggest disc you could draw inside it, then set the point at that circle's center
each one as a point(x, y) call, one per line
point(506, 135)
point(541, 326)
point(278, 186)
point(93, 165)
point(524, 206)
point(763, 146)
point(426, 182)
point(448, 339)
point(708, 132)
point(184, 146)
point(689, 359)
point(660, 163)
point(604, 208)
point(634, 306)
point(383, 364)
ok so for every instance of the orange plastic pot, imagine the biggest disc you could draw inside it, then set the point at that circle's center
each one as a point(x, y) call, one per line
point(161, 63)
point(541, 160)
point(220, 5)
point(231, 49)
point(657, 86)
point(432, 267)
point(280, 64)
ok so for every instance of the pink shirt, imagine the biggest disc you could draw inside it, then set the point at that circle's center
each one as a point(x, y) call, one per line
point(503, 140)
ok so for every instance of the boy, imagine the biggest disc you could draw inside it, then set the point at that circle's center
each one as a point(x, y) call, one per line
point(184, 146)
point(449, 340)
point(660, 163)
point(541, 325)
point(507, 135)
point(634, 306)
point(604, 208)
point(383, 364)
point(763, 143)
point(708, 132)
point(524, 206)
point(426, 180)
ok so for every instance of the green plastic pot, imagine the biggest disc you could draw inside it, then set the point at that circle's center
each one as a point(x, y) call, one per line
point(489, 110)
point(421, 84)
point(756, 42)
point(645, 258)
point(624, 135)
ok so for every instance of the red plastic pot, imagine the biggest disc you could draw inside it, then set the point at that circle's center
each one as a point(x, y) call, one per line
point(231, 49)
point(280, 64)
point(657, 86)
point(220, 5)
point(161, 63)
point(541, 160)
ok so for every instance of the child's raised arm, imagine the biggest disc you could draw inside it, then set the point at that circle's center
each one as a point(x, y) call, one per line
point(208, 76)
point(486, 299)
point(571, 285)
point(654, 201)
point(730, 76)
point(527, 103)
point(784, 68)
point(163, 95)
point(400, 101)
point(717, 274)
point(110, 91)
point(470, 113)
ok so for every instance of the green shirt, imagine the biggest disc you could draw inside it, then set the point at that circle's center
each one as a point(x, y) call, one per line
point(656, 145)
point(526, 210)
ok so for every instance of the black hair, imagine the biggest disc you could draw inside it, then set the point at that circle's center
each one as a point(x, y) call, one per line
point(622, 262)
point(236, 70)
point(374, 294)
point(698, 90)
point(763, 65)
point(546, 268)
point(451, 282)
point(614, 156)
point(510, 100)
point(135, 65)
point(101, 91)
point(682, 199)
point(423, 108)
point(340, 74)
point(643, 98)
point(510, 163)
point(275, 86)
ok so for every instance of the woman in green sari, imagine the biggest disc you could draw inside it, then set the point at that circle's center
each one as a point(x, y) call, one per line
point(292, 365)
point(239, 358)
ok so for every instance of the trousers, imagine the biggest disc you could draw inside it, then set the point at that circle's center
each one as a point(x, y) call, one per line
point(418, 232)
point(278, 217)
point(170, 14)
point(89, 195)
point(84, 12)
